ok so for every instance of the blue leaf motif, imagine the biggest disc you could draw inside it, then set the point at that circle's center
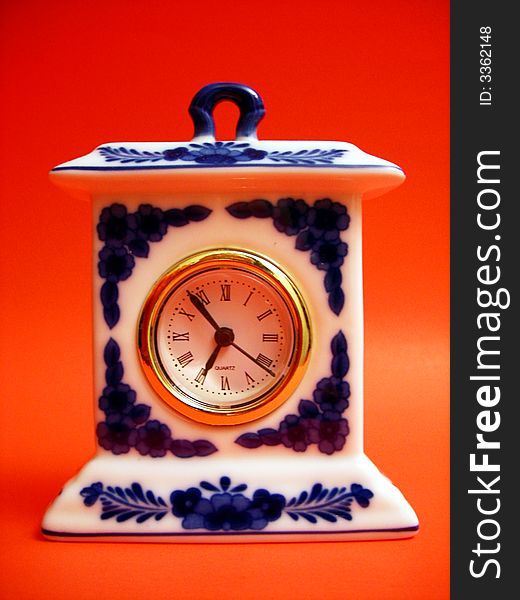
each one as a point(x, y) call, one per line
point(315, 492)
point(125, 155)
point(204, 447)
point(336, 300)
point(220, 154)
point(269, 436)
point(114, 374)
point(205, 485)
point(124, 504)
point(328, 505)
point(225, 507)
point(196, 212)
point(176, 217)
point(183, 448)
point(240, 210)
point(111, 354)
point(302, 498)
point(109, 293)
point(127, 236)
point(319, 421)
point(249, 440)
point(239, 488)
point(138, 491)
point(317, 227)
point(111, 315)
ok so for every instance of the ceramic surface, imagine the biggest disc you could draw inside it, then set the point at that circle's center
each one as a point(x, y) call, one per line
point(297, 472)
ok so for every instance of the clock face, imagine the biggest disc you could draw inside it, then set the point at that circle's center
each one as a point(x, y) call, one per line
point(224, 336)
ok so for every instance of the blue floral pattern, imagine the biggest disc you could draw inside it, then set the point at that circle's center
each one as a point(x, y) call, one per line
point(224, 507)
point(128, 426)
point(127, 236)
point(317, 229)
point(319, 421)
point(220, 154)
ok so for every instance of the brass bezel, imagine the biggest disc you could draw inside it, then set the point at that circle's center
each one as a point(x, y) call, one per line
point(178, 274)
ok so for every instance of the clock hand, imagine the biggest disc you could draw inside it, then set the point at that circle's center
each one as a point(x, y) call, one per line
point(223, 337)
point(253, 359)
point(199, 305)
point(211, 360)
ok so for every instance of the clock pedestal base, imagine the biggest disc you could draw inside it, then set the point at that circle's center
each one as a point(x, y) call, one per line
point(229, 499)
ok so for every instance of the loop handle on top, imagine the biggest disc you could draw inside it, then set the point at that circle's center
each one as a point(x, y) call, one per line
point(247, 99)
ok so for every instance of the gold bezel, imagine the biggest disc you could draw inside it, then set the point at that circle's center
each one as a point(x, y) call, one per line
point(179, 273)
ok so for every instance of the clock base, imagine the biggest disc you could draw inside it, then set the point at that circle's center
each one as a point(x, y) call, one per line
point(266, 499)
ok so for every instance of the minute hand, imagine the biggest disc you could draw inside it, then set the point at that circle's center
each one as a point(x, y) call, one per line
point(199, 305)
point(253, 359)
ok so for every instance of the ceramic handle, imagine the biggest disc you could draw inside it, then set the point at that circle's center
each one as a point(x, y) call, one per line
point(248, 101)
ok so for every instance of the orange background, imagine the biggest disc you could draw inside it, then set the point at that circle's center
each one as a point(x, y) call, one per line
point(76, 74)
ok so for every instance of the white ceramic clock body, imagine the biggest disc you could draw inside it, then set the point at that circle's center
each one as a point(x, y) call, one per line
point(228, 340)
point(221, 231)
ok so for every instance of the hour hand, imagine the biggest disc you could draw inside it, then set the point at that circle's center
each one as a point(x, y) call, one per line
point(211, 360)
point(199, 305)
point(209, 364)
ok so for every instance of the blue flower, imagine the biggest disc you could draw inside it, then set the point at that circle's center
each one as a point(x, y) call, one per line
point(330, 432)
point(117, 399)
point(114, 227)
point(175, 153)
point(115, 264)
point(265, 507)
point(328, 254)
point(184, 502)
point(332, 393)
point(217, 153)
point(116, 434)
point(361, 494)
point(139, 413)
point(326, 219)
point(150, 223)
point(305, 240)
point(289, 215)
point(294, 433)
point(91, 493)
point(226, 511)
point(252, 154)
point(153, 438)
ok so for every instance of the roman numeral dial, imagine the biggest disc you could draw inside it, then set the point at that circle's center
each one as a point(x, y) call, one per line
point(228, 336)
point(224, 336)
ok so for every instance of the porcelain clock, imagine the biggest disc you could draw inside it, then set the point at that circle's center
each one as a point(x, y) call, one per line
point(228, 340)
